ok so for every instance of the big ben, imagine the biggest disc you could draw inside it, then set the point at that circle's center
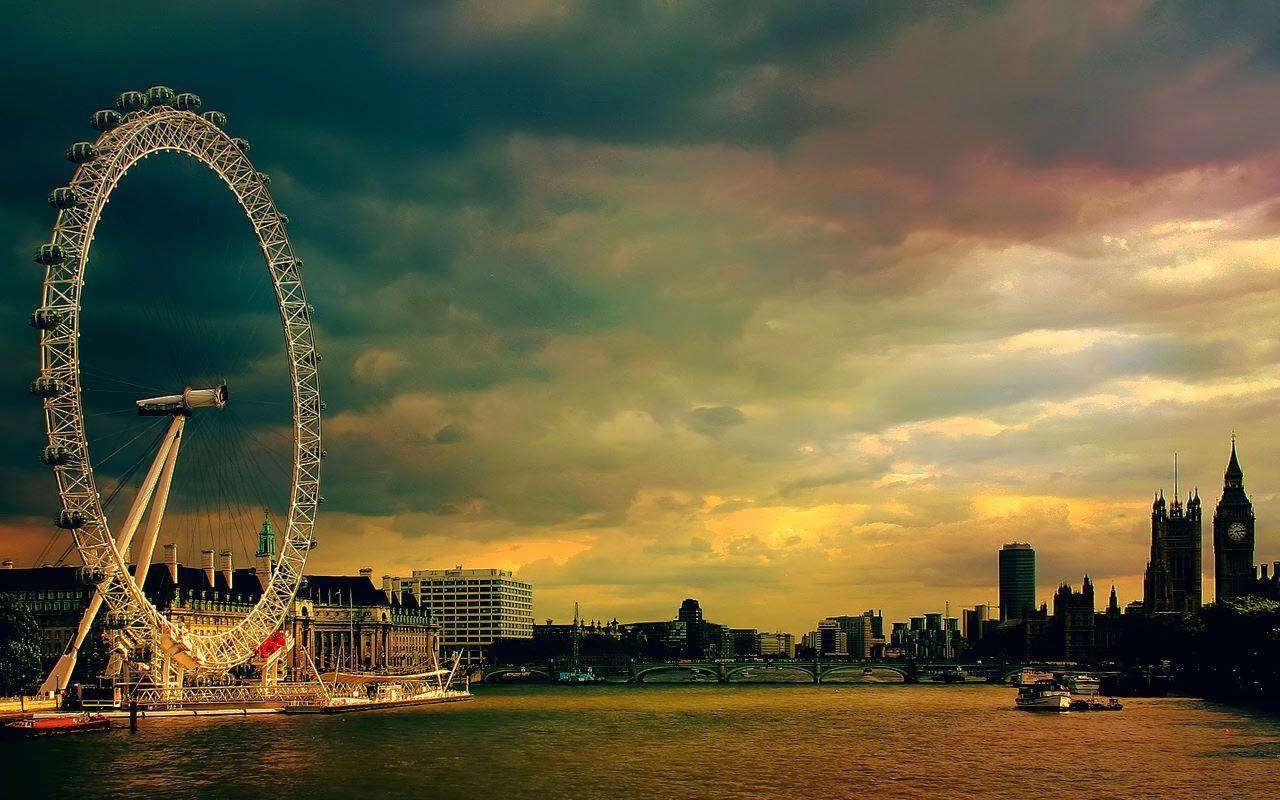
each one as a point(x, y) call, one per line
point(1233, 534)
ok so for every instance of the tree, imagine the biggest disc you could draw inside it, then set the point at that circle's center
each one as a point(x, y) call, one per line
point(20, 664)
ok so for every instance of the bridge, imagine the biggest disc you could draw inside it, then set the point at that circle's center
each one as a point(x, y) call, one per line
point(744, 671)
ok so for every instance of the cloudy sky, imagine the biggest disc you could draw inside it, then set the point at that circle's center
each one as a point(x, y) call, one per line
point(797, 308)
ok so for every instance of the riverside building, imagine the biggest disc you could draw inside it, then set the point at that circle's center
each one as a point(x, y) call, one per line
point(473, 607)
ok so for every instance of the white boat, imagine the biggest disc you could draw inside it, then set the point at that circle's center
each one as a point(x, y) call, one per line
point(1083, 685)
point(1043, 695)
point(384, 694)
point(1028, 676)
point(344, 692)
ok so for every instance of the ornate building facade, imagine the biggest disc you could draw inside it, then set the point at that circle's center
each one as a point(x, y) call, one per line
point(347, 624)
point(1233, 535)
point(343, 621)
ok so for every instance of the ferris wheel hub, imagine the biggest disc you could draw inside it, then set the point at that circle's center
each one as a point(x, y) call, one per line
point(190, 399)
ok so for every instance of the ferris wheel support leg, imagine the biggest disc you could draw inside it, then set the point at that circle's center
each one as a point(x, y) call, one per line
point(148, 488)
point(156, 515)
point(60, 675)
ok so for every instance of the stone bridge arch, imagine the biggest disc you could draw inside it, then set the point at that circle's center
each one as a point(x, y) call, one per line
point(860, 669)
point(697, 669)
point(498, 672)
point(803, 669)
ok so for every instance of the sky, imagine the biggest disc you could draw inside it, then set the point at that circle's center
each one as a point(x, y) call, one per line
point(797, 308)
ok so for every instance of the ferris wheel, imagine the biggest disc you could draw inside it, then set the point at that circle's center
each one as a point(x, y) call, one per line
point(143, 124)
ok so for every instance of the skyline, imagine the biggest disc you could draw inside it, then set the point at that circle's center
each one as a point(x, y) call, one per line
point(797, 311)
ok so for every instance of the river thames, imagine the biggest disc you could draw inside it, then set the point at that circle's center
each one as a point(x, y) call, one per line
point(655, 742)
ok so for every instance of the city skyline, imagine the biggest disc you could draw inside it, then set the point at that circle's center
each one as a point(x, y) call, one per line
point(710, 301)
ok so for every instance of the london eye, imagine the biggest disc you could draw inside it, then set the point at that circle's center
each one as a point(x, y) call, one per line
point(144, 124)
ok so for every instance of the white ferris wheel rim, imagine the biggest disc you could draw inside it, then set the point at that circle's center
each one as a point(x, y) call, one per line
point(139, 134)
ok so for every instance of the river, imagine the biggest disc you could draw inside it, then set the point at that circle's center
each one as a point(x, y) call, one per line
point(669, 741)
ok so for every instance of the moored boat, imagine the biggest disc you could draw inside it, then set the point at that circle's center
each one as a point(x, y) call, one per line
point(1043, 695)
point(1095, 704)
point(1083, 685)
point(341, 694)
point(36, 727)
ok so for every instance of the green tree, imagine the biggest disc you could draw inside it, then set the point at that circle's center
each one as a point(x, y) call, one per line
point(20, 665)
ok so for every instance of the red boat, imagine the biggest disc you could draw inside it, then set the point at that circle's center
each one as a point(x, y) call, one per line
point(55, 726)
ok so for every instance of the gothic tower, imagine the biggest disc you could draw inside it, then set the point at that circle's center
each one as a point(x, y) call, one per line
point(1173, 577)
point(1233, 534)
point(1157, 590)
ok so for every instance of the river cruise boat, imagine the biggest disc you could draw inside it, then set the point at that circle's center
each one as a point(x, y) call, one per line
point(1083, 685)
point(377, 694)
point(1095, 704)
point(1043, 695)
point(61, 725)
point(341, 693)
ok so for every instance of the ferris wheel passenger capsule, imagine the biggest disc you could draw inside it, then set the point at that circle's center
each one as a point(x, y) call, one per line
point(187, 101)
point(104, 120)
point(69, 519)
point(81, 153)
point(50, 254)
point(91, 576)
point(64, 197)
point(47, 387)
point(216, 117)
point(243, 144)
point(160, 96)
point(55, 456)
point(265, 178)
point(131, 101)
point(46, 319)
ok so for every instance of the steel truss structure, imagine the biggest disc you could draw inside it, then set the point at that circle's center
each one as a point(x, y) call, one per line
point(227, 695)
point(153, 122)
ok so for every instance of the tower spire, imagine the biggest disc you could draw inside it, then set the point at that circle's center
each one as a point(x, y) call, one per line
point(1234, 476)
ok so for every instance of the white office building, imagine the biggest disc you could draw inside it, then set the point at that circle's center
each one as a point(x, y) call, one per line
point(473, 607)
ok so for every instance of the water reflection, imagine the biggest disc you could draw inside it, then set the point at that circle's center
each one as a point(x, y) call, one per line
point(688, 741)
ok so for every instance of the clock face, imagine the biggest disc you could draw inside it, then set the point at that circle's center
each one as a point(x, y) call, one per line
point(1236, 531)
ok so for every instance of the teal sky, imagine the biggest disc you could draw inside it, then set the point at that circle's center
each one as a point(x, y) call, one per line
point(797, 308)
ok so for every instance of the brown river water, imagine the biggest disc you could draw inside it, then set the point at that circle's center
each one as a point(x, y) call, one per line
point(673, 741)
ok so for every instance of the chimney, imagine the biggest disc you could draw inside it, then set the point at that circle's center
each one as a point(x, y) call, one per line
point(367, 572)
point(171, 561)
point(1264, 572)
point(206, 564)
point(388, 590)
point(7, 564)
point(1276, 573)
point(224, 566)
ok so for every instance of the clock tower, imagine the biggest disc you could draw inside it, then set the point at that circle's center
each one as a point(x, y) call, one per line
point(1233, 534)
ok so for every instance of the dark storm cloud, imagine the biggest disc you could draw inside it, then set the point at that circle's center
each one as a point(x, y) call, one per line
point(760, 290)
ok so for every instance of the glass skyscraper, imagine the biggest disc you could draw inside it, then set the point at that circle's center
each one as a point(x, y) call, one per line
point(1017, 580)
